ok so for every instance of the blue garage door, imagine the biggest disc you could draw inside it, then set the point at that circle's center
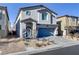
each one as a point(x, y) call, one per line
point(44, 32)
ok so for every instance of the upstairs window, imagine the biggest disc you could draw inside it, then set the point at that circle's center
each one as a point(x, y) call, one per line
point(28, 12)
point(44, 16)
point(0, 15)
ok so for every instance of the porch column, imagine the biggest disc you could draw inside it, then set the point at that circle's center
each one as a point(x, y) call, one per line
point(21, 36)
point(22, 27)
point(34, 33)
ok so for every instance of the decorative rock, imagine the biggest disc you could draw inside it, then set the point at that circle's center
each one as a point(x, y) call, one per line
point(32, 43)
point(50, 43)
point(45, 43)
point(39, 44)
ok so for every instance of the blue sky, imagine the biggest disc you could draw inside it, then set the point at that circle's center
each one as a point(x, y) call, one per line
point(60, 8)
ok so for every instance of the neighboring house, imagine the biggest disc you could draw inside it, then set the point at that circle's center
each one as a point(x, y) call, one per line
point(4, 22)
point(66, 22)
point(35, 21)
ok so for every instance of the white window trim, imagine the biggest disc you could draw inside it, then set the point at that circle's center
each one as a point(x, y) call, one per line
point(38, 17)
point(29, 12)
point(46, 17)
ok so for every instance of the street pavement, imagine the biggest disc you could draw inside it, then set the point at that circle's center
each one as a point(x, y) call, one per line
point(72, 50)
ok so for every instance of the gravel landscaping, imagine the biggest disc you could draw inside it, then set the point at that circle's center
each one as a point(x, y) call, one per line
point(11, 45)
point(38, 43)
point(58, 43)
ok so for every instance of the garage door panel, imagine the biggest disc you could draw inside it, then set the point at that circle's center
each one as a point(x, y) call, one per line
point(44, 32)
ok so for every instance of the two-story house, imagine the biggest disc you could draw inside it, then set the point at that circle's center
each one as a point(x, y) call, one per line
point(66, 22)
point(4, 22)
point(35, 21)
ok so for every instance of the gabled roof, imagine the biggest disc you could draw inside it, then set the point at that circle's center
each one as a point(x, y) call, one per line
point(34, 7)
point(68, 16)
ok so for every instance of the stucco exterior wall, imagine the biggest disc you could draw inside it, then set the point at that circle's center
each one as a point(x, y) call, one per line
point(66, 22)
point(71, 22)
point(63, 22)
point(37, 16)
point(4, 24)
point(33, 15)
